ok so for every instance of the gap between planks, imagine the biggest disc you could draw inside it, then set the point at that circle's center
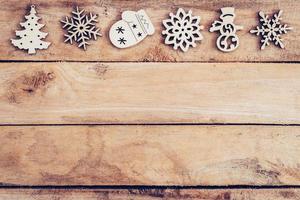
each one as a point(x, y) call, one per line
point(149, 187)
point(149, 124)
point(162, 62)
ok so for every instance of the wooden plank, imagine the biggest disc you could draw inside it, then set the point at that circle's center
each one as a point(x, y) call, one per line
point(149, 194)
point(152, 49)
point(150, 155)
point(117, 93)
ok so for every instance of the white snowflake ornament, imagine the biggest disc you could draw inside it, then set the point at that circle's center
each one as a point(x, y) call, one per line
point(81, 28)
point(31, 37)
point(271, 29)
point(182, 30)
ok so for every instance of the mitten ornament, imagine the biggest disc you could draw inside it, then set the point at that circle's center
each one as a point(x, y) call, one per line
point(228, 40)
point(131, 30)
point(31, 37)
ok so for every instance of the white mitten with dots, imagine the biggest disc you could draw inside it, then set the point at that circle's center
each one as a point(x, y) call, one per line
point(132, 29)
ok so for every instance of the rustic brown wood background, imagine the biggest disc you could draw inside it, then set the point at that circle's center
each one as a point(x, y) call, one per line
point(148, 122)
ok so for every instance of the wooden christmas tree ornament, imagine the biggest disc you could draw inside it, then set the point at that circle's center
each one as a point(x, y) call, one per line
point(31, 37)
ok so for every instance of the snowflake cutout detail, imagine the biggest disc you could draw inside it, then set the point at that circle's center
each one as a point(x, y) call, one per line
point(120, 30)
point(81, 28)
point(182, 30)
point(122, 41)
point(271, 30)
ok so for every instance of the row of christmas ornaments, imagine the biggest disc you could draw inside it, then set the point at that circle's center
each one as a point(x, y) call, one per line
point(182, 30)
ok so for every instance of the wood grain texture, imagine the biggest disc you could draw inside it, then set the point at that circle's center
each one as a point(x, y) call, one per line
point(121, 93)
point(152, 49)
point(150, 194)
point(150, 155)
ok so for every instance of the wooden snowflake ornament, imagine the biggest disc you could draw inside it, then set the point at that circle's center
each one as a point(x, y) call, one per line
point(81, 28)
point(271, 30)
point(182, 30)
point(31, 37)
point(131, 30)
point(228, 40)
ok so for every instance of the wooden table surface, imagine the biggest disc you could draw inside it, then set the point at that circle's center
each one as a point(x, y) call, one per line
point(149, 122)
